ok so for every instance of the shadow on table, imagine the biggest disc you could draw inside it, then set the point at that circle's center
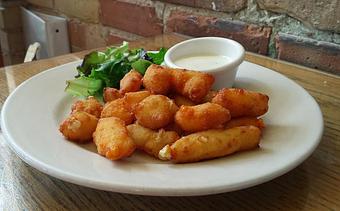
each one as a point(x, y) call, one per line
point(269, 195)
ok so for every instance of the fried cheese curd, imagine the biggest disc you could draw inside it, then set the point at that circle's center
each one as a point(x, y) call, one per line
point(91, 105)
point(111, 94)
point(112, 139)
point(241, 102)
point(245, 121)
point(211, 94)
point(201, 117)
point(120, 109)
point(133, 98)
point(151, 141)
point(192, 84)
point(79, 126)
point(174, 127)
point(155, 111)
point(181, 100)
point(157, 79)
point(211, 144)
point(131, 82)
point(123, 107)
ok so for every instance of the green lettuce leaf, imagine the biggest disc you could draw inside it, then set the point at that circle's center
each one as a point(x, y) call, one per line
point(158, 58)
point(84, 86)
point(141, 65)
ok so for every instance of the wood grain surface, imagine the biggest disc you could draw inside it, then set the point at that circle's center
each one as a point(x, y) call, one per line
point(313, 185)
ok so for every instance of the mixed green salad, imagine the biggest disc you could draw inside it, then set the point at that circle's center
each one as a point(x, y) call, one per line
point(106, 69)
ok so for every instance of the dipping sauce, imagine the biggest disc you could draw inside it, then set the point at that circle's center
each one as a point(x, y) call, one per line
point(204, 62)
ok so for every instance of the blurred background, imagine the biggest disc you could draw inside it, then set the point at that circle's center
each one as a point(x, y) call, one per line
point(303, 32)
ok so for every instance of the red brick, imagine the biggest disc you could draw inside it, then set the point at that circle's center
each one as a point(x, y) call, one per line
point(10, 18)
point(13, 58)
point(254, 38)
point(309, 52)
point(76, 49)
point(217, 5)
point(77, 31)
point(85, 10)
point(12, 41)
point(86, 35)
point(113, 39)
point(141, 20)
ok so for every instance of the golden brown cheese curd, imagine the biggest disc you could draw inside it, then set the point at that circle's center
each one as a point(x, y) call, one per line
point(149, 140)
point(241, 102)
point(191, 84)
point(157, 79)
point(111, 94)
point(181, 100)
point(120, 109)
point(79, 127)
point(174, 127)
point(155, 111)
point(133, 98)
point(211, 144)
point(112, 139)
point(201, 117)
point(245, 121)
point(91, 105)
point(131, 82)
point(211, 94)
point(197, 87)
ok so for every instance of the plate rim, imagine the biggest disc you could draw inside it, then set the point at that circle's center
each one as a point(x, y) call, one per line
point(152, 191)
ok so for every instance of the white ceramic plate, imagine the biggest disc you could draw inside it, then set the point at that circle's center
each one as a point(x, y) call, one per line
point(32, 113)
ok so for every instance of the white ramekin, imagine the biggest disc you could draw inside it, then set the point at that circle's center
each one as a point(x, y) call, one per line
point(224, 75)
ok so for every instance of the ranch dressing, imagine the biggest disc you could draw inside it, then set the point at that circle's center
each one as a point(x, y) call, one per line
point(203, 62)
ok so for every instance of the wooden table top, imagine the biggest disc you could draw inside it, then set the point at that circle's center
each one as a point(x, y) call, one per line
point(313, 185)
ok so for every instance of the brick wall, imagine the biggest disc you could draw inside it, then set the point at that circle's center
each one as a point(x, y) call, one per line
point(11, 36)
point(304, 32)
